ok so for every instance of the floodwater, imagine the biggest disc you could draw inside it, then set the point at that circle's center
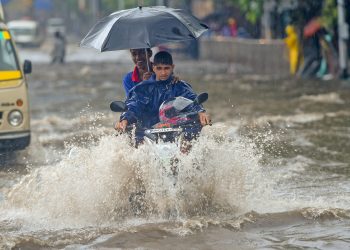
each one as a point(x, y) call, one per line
point(271, 173)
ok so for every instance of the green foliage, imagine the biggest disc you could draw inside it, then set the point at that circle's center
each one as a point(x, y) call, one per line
point(109, 6)
point(253, 9)
point(330, 13)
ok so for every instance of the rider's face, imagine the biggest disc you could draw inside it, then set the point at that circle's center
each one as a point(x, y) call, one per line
point(139, 58)
point(163, 71)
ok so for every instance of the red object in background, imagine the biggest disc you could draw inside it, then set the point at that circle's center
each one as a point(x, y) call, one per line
point(312, 27)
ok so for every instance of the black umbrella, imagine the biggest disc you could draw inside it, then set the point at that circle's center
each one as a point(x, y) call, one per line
point(143, 27)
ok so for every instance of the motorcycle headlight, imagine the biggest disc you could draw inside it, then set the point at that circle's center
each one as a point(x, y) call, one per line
point(15, 118)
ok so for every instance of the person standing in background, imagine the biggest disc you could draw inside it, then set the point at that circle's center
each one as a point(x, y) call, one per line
point(59, 49)
point(292, 43)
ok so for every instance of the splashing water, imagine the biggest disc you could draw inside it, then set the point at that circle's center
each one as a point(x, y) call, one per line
point(92, 186)
point(88, 192)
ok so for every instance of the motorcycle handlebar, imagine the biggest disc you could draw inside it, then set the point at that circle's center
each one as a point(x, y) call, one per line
point(130, 127)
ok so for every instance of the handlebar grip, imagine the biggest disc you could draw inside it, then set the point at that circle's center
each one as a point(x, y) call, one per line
point(128, 130)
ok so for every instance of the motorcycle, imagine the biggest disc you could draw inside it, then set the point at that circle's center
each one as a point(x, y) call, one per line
point(173, 133)
point(175, 124)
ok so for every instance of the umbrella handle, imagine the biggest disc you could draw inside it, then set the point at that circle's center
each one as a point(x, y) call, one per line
point(148, 68)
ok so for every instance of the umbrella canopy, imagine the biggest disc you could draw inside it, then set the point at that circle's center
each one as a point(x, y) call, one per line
point(143, 27)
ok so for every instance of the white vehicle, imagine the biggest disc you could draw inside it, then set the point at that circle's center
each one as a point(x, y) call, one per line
point(55, 25)
point(26, 32)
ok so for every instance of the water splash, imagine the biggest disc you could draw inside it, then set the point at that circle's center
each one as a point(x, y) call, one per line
point(92, 185)
point(220, 178)
point(83, 196)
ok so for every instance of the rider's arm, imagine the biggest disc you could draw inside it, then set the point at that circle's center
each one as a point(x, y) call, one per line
point(133, 112)
point(127, 84)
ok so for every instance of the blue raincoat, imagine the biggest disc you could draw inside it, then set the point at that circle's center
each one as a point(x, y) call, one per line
point(145, 99)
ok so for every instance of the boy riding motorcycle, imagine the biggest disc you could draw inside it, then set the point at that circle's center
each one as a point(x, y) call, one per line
point(144, 99)
point(142, 71)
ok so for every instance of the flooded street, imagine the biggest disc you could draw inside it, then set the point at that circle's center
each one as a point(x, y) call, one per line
point(273, 172)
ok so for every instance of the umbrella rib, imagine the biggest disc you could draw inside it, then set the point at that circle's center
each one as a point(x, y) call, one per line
point(121, 16)
point(178, 17)
point(101, 46)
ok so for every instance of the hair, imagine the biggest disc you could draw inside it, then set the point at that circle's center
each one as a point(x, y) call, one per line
point(163, 57)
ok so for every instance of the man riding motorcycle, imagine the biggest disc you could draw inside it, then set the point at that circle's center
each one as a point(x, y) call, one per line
point(145, 98)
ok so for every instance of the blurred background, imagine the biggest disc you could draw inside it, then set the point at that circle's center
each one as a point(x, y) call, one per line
point(308, 38)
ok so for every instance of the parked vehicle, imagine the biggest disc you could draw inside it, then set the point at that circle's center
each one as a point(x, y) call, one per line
point(26, 32)
point(14, 105)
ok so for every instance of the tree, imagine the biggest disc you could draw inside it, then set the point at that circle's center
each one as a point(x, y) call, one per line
point(253, 9)
point(330, 13)
point(109, 6)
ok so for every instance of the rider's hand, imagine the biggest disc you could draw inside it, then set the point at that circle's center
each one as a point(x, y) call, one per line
point(204, 118)
point(146, 75)
point(176, 79)
point(121, 126)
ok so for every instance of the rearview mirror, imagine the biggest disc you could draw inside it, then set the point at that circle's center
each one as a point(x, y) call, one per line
point(201, 98)
point(27, 67)
point(118, 106)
